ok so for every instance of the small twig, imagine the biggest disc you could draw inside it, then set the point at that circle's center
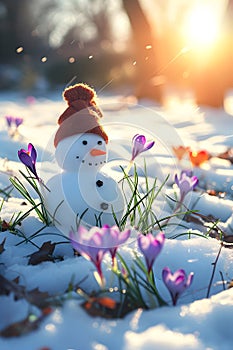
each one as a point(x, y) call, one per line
point(213, 272)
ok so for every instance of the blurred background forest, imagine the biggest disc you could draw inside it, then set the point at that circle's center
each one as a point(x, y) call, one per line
point(141, 45)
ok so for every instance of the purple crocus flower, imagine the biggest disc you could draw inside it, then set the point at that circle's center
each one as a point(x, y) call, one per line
point(90, 244)
point(18, 121)
point(113, 238)
point(186, 183)
point(176, 283)
point(9, 120)
point(28, 158)
point(140, 145)
point(150, 247)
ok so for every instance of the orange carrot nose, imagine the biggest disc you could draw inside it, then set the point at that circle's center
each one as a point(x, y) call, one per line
point(97, 152)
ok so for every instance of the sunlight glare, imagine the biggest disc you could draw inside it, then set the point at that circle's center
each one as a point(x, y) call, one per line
point(202, 26)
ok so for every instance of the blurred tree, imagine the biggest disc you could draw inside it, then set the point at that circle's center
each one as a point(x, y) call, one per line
point(72, 21)
point(82, 37)
point(148, 84)
point(91, 31)
point(213, 75)
point(17, 29)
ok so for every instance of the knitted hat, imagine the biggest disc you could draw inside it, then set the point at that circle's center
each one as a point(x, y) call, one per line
point(82, 114)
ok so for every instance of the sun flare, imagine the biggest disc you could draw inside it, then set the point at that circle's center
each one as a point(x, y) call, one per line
point(202, 26)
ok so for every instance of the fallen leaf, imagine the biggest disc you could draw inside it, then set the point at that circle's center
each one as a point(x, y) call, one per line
point(102, 301)
point(180, 151)
point(227, 155)
point(43, 254)
point(197, 158)
point(4, 226)
point(106, 302)
point(212, 192)
point(21, 328)
point(7, 287)
point(47, 311)
point(108, 309)
point(216, 193)
point(38, 298)
point(35, 296)
point(230, 284)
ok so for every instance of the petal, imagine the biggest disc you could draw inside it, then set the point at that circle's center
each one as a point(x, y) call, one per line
point(137, 149)
point(149, 145)
point(22, 151)
point(144, 242)
point(9, 120)
point(124, 235)
point(189, 279)
point(18, 121)
point(140, 145)
point(32, 152)
point(187, 172)
point(79, 235)
point(185, 186)
point(109, 239)
point(81, 231)
point(134, 137)
point(106, 226)
point(139, 139)
point(160, 237)
point(96, 241)
point(179, 273)
point(106, 230)
point(166, 273)
point(179, 280)
point(25, 159)
point(80, 248)
point(195, 181)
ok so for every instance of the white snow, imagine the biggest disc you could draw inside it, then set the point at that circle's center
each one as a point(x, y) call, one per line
point(196, 322)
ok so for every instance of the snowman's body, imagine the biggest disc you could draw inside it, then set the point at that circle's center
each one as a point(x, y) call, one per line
point(81, 190)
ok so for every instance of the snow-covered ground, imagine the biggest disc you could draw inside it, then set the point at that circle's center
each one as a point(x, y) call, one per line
point(196, 322)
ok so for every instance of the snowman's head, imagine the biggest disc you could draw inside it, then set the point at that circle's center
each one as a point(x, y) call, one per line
point(80, 138)
point(86, 150)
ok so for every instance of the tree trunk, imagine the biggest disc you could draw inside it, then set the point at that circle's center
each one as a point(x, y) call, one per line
point(145, 54)
point(213, 75)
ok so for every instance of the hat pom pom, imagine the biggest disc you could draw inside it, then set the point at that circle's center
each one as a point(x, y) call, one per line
point(79, 92)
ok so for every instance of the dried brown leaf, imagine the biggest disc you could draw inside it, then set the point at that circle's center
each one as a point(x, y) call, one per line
point(38, 298)
point(227, 155)
point(35, 296)
point(19, 328)
point(22, 327)
point(7, 287)
point(43, 254)
point(4, 226)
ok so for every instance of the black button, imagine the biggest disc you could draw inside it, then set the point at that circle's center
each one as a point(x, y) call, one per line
point(99, 183)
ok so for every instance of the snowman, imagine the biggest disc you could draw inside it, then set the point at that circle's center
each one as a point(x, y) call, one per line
point(82, 191)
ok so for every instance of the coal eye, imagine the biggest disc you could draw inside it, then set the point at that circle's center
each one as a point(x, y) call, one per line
point(99, 142)
point(84, 142)
point(99, 183)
